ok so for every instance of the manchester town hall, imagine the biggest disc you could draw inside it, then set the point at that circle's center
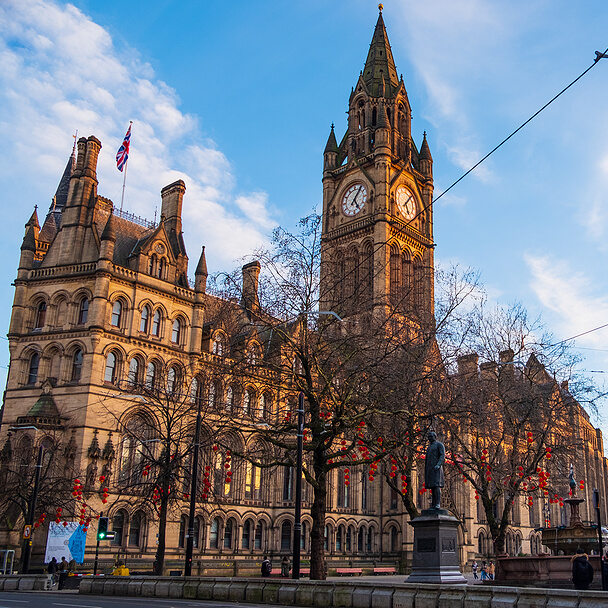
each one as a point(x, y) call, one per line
point(103, 301)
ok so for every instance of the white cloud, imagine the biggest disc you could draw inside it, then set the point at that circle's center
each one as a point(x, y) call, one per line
point(60, 71)
point(571, 296)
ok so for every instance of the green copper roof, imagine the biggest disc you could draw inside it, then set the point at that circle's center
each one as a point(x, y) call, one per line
point(44, 408)
point(380, 63)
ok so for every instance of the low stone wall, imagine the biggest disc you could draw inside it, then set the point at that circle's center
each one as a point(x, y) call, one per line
point(344, 594)
point(24, 582)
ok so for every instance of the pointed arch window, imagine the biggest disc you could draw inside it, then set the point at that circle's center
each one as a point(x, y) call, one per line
point(145, 318)
point(152, 265)
point(194, 390)
point(176, 332)
point(228, 532)
point(259, 534)
point(286, 536)
point(214, 533)
point(116, 314)
point(173, 379)
point(111, 371)
point(83, 311)
point(229, 399)
point(118, 524)
point(151, 375)
point(135, 529)
point(40, 316)
point(218, 345)
point(246, 538)
point(395, 269)
point(77, 365)
point(134, 371)
point(156, 324)
point(32, 375)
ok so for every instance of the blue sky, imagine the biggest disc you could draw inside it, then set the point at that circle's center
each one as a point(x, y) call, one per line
point(236, 98)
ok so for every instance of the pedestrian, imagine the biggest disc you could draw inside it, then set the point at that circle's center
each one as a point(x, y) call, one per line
point(491, 571)
point(474, 568)
point(266, 566)
point(285, 567)
point(120, 569)
point(582, 570)
point(52, 570)
point(484, 571)
point(63, 573)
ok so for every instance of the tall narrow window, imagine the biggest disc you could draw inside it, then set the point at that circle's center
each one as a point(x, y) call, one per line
point(287, 483)
point(370, 540)
point(145, 317)
point(32, 375)
point(116, 314)
point(246, 539)
point(218, 345)
point(134, 371)
point(151, 375)
point(183, 525)
point(286, 536)
point(360, 540)
point(176, 331)
point(76, 365)
point(339, 539)
point(135, 529)
point(40, 315)
point(172, 380)
point(229, 399)
point(214, 534)
point(364, 491)
point(118, 524)
point(83, 311)
point(259, 533)
point(194, 390)
point(197, 531)
point(228, 530)
point(156, 324)
point(110, 373)
point(152, 265)
point(395, 268)
point(212, 394)
point(161, 268)
point(262, 407)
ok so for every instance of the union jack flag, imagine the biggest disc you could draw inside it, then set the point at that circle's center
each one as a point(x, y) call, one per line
point(122, 156)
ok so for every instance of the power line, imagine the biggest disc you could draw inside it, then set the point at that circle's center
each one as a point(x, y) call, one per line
point(589, 331)
point(506, 139)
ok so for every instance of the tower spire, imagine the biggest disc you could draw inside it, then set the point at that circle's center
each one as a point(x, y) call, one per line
point(380, 64)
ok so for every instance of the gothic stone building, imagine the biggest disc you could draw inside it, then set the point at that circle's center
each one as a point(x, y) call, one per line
point(101, 296)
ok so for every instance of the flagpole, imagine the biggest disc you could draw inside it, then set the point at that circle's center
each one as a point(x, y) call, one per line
point(124, 180)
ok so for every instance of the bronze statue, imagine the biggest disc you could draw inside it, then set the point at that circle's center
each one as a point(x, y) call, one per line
point(433, 469)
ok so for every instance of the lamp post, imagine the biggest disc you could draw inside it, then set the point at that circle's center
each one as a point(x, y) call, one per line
point(297, 527)
point(31, 511)
point(596, 504)
point(193, 484)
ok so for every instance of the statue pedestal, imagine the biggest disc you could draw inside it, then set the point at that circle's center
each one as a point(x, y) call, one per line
point(436, 549)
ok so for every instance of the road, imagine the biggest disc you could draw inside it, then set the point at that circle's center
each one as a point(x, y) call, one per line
point(71, 599)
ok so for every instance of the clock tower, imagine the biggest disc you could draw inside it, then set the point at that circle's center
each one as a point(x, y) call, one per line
point(377, 237)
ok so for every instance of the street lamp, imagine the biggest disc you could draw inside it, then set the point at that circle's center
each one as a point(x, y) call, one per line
point(297, 527)
point(596, 504)
point(190, 538)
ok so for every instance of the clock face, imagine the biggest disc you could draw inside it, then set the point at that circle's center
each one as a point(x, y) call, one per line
point(406, 203)
point(354, 199)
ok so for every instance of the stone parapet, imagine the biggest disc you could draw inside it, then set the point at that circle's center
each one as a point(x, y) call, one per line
point(346, 594)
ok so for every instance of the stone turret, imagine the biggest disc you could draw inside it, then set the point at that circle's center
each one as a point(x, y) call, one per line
point(250, 300)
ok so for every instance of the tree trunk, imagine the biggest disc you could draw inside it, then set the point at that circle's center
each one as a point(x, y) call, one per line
point(162, 531)
point(318, 570)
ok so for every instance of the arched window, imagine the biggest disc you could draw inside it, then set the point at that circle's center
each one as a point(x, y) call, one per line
point(228, 532)
point(197, 531)
point(262, 413)
point(252, 481)
point(367, 275)
point(418, 283)
point(134, 371)
point(32, 376)
point(135, 529)
point(116, 314)
point(218, 345)
point(151, 375)
point(360, 540)
point(145, 317)
point(194, 390)
point(259, 534)
point(303, 535)
point(339, 538)
point(118, 524)
point(83, 311)
point(176, 332)
point(326, 538)
point(162, 263)
point(370, 540)
point(111, 368)
point(395, 268)
point(214, 394)
point(172, 380)
point(229, 399)
point(394, 539)
point(286, 536)
point(40, 316)
point(76, 365)
point(156, 324)
point(481, 543)
point(351, 278)
point(214, 533)
point(248, 402)
point(183, 527)
point(246, 538)
point(343, 489)
point(152, 265)
point(288, 483)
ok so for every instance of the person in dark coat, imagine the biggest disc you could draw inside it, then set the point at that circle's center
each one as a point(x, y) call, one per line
point(63, 573)
point(285, 567)
point(52, 569)
point(266, 566)
point(433, 469)
point(582, 571)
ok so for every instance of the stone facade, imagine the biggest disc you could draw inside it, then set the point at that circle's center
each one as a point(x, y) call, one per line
point(102, 297)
